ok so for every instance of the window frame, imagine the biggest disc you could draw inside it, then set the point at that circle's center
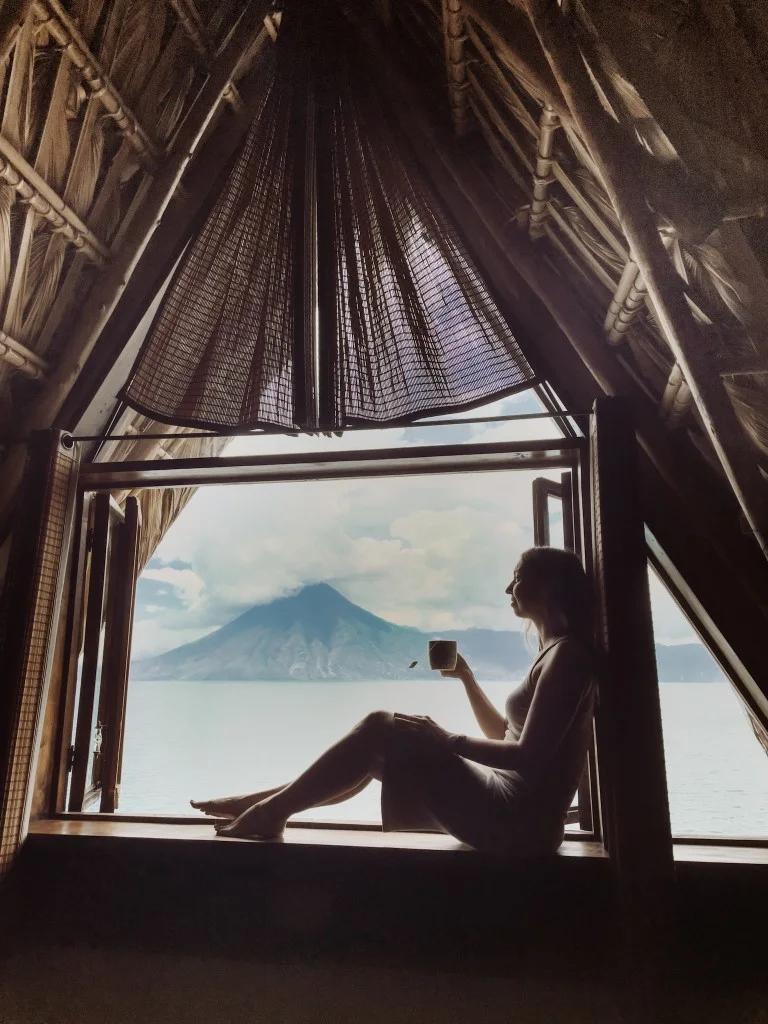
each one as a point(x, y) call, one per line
point(569, 454)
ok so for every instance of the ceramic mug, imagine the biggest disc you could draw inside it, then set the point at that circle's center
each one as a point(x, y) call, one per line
point(443, 654)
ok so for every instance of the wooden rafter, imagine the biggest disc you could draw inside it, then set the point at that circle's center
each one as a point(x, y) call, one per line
point(67, 35)
point(454, 38)
point(33, 189)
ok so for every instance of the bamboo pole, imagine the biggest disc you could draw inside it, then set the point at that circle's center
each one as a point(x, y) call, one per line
point(630, 296)
point(33, 189)
point(677, 399)
point(20, 358)
point(496, 148)
point(513, 101)
point(745, 366)
point(67, 35)
point(529, 125)
point(479, 93)
point(588, 256)
point(106, 293)
point(542, 175)
point(456, 65)
point(610, 149)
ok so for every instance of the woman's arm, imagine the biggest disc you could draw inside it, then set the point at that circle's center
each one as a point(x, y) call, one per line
point(560, 689)
point(493, 724)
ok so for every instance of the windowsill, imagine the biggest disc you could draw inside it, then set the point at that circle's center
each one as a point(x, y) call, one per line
point(360, 837)
point(298, 834)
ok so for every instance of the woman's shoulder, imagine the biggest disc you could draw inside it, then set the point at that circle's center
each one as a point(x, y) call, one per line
point(569, 653)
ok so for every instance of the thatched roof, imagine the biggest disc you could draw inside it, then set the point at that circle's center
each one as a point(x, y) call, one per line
point(607, 165)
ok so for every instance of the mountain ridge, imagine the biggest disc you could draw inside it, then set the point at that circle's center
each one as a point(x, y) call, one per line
point(318, 635)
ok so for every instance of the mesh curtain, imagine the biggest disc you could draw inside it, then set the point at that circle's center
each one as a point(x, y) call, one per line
point(325, 212)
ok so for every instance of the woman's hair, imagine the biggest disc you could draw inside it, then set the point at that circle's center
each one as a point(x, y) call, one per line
point(571, 593)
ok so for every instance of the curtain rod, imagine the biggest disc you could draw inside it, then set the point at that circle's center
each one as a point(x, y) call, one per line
point(263, 432)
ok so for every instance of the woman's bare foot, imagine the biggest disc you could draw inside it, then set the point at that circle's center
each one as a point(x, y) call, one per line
point(231, 806)
point(258, 822)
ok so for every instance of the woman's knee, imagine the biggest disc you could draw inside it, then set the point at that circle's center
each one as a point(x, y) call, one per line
point(376, 722)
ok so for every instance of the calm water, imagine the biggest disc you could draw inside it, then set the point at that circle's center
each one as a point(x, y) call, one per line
point(206, 739)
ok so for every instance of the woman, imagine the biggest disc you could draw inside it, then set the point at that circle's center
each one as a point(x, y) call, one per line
point(508, 792)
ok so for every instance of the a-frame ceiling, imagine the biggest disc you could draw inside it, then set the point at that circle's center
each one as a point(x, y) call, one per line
point(607, 164)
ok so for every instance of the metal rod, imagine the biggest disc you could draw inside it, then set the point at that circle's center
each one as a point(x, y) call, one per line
point(456, 421)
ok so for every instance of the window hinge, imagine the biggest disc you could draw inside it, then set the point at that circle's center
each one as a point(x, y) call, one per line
point(71, 759)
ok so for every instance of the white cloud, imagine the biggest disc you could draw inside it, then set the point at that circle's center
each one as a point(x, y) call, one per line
point(435, 552)
point(185, 582)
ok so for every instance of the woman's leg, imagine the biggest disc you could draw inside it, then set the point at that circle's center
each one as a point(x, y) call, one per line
point(231, 806)
point(337, 774)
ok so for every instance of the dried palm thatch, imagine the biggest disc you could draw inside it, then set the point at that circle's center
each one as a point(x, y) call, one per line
point(696, 149)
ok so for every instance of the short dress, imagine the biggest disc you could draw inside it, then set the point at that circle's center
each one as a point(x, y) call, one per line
point(521, 813)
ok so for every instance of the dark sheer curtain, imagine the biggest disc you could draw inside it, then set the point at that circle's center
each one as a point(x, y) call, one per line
point(328, 285)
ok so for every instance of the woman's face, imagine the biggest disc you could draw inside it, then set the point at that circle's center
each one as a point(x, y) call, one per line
point(523, 592)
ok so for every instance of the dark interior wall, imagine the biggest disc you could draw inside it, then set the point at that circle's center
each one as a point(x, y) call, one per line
point(90, 985)
point(113, 930)
point(86, 986)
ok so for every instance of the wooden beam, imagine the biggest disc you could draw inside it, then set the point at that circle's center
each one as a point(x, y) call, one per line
point(33, 189)
point(67, 35)
point(636, 825)
point(454, 37)
point(611, 150)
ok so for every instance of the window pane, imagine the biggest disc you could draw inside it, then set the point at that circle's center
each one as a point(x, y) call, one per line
point(427, 556)
point(717, 772)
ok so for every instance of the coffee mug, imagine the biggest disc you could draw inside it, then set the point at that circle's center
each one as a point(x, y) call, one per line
point(443, 654)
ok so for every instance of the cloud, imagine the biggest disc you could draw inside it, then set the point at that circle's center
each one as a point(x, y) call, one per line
point(188, 585)
point(431, 551)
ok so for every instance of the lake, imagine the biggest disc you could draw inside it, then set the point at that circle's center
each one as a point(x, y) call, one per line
point(204, 739)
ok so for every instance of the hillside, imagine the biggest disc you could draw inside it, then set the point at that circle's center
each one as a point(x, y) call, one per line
point(317, 634)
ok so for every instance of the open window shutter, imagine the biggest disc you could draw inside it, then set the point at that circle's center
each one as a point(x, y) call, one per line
point(28, 619)
point(118, 652)
point(628, 721)
point(110, 584)
point(82, 788)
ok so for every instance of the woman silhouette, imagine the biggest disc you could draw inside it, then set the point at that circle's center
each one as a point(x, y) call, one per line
point(509, 791)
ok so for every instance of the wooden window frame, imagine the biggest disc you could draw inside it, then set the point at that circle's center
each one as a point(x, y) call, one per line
point(587, 813)
point(570, 455)
point(102, 593)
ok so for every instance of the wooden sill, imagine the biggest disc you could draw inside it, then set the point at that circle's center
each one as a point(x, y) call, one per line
point(311, 834)
point(297, 835)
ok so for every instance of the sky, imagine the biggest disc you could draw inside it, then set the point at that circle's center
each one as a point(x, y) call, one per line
point(434, 552)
